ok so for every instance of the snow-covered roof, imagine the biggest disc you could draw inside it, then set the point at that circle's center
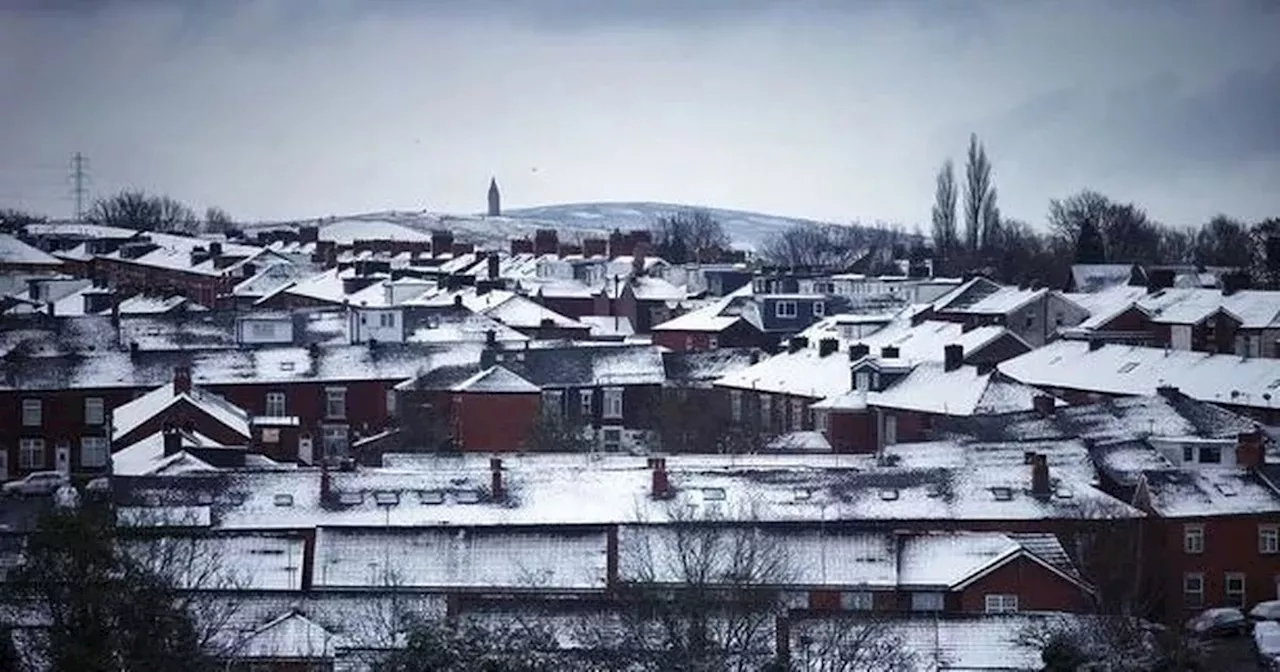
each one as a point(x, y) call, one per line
point(1106, 304)
point(1120, 369)
point(605, 326)
point(946, 560)
point(14, 252)
point(146, 456)
point(1090, 278)
point(292, 636)
point(959, 483)
point(516, 311)
point(708, 318)
point(496, 380)
point(930, 388)
point(127, 417)
point(464, 327)
point(1256, 309)
point(806, 373)
point(142, 304)
point(466, 558)
point(1213, 491)
point(347, 231)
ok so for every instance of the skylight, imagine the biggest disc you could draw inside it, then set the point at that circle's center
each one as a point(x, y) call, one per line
point(889, 494)
point(431, 497)
point(1273, 384)
point(386, 498)
point(351, 498)
point(283, 500)
point(1002, 494)
point(286, 366)
point(713, 494)
point(1127, 367)
point(467, 496)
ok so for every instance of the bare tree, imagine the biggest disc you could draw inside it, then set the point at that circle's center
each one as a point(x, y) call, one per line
point(12, 221)
point(1108, 547)
point(140, 210)
point(945, 240)
point(700, 590)
point(813, 246)
point(863, 644)
point(1266, 254)
point(554, 432)
point(980, 213)
point(690, 236)
point(1223, 241)
point(216, 220)
point(677, 429)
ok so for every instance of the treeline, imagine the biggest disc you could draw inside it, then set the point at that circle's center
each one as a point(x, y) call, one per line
point(136, 209)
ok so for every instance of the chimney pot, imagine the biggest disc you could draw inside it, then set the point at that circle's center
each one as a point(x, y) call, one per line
point(181, 380)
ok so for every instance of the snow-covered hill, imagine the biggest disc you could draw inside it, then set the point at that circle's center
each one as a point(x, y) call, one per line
point(745, 229)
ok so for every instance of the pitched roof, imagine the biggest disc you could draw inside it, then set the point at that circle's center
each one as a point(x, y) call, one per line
point(17, 253)
point(930, 388)
point(496, 380)
point(1132, 370)
point(130, 416)
point(291, 636)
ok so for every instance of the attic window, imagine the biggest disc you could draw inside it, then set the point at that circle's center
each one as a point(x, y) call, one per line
point(351, 498)
point(713, 494)
point(431, 497)
point(283, 500)
point(386, 498)
point(467, 496)
point(889, 494)
point(1002, 494)
point(1127, 367)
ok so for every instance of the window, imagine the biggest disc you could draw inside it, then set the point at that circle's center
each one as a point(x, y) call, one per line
point(819, 308)
point(1235, 589)
point(822, 421)
point(386, 320)
point(766, 411)
point(926, 601)
point(31, 453)
point(735, 405)
point(1031, 319)
point(94, 411)
point(862, 381)
point(1269, 539)
point(1210, 455)
point(612, 439)
point(784, 309)
point(391, 403)
point(586, 403)
point(1193, 590)
point(859, 601)
point(797, 415)
point(1001, 604)
point(1188, 453)
point(1058, 319)
point(712, 342)
point(32, 412)
point(93, 451)
point(613, 402)
point(553, 402)
point(335, 403)
point(1193, 538)
point(276, 405)
point(262, 329)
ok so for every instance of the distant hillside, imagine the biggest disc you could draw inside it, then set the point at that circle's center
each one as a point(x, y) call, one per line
point(745, 229)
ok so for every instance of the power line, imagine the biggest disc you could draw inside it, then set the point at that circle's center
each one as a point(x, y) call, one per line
point(79, 177)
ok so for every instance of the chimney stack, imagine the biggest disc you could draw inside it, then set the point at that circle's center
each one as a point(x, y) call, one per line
point(952, 357)
point(1043, 404)
point(858, 351)
point(828, 346)
point(181, 380)
point(1169, 392)
point(889, 352)
point(496, 492)
point(661, 484)
point(493, 262)
point(326, 481)
point(1040, 476)
point(1095, 344)
point(797, 343)
point(1251, 452)
point(172, 440)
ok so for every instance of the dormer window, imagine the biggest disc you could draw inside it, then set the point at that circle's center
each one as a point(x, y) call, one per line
point(785, 309)
point(862, 381)
point(819, 309)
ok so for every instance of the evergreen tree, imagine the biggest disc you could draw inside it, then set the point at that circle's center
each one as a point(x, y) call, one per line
point(1090, 248)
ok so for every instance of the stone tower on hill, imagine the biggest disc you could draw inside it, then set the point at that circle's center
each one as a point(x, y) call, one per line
point(495, 199)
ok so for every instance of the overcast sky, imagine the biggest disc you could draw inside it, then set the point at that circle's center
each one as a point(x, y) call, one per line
point(837, 109)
